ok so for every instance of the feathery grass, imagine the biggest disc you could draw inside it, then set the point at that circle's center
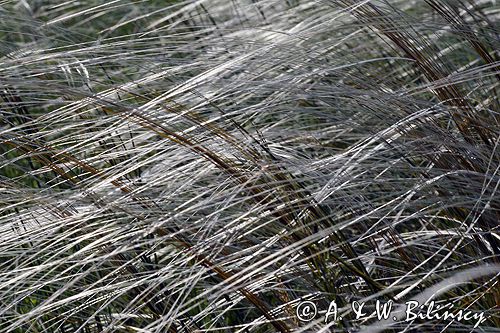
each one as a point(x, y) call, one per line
point(205, 166)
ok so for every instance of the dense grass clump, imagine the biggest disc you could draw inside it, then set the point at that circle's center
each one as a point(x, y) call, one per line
point(208, 165)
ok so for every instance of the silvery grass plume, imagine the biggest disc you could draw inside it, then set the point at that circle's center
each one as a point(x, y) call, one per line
point(208, 165)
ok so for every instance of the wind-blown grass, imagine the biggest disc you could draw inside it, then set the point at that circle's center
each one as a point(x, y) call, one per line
point(205, 166)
